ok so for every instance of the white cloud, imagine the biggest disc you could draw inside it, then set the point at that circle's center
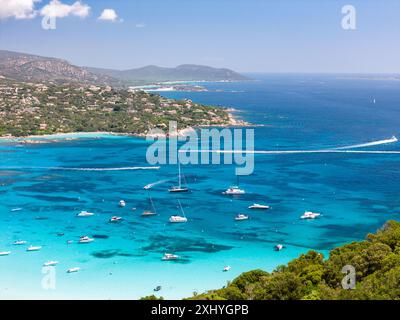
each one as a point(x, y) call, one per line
point(108, 15)
point(58, 9)
point(18, 9)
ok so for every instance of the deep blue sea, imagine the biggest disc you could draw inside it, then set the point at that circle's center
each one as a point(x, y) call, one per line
point(356, 192)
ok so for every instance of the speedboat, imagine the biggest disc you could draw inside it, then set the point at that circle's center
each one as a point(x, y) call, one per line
point(241, 217)
point(85, 239)
point(158, 288)
point(122, 203)
point(50, 263)
point(4, 253)
point(310, 215)
point(85, 214)
point(234, 190)
point(170, 256)
point(226, 268)
point(19, 242)
point(148, 213)
point(278, 247)
point(33, 248)
point(259, 206)
point(177, 219)
point(75, 269)
point(115, 219)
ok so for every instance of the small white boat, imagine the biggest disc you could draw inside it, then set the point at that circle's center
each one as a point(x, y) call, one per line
point(85, 214)
point(115, 219)
point(241, 217)
point(226, 268)
point(50, 263)
point(170, 256)
point(19, 242)
point(34, 248)
point(72, 270)
point(4, 253)
point(310, 215)
point(177, 219)
point(234, 190)
point(85, 239)
point(16, 209)
point(278, 247)
point(258, 206)
point(148, 213)
point(122, 203)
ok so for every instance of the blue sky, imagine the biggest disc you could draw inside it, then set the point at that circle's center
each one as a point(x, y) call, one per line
point(245, 35)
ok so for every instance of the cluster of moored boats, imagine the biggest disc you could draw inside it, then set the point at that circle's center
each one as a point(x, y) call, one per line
point(179, 218)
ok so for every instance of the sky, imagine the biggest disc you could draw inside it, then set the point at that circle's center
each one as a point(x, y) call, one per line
point(244, 35)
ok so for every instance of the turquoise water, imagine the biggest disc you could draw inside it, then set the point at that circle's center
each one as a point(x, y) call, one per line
point(356, 193)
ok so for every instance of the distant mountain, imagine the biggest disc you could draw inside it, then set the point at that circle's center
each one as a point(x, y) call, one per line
point(185, 72)
point(33, 68)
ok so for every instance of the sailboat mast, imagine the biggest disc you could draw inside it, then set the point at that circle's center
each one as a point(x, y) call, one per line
point(179, 174)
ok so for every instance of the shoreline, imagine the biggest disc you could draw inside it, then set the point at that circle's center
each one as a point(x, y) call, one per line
point(70, 136)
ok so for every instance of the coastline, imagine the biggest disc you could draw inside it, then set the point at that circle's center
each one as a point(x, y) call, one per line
point(70, 136)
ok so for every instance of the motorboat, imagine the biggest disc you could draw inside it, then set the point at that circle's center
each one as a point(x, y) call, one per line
point(158, 288)
point(4, 253)
point(177, 219)
point(72, 270)
point(34, 248)
point(122, 203)
point(85, 239)
point(310, 215)
point(170, 256)
point(115, 219)
point(278, 247)
point(257, 206)
point(241, 217)
point(16, 209)
point(19, 242)
point(85, 214)
point(50, 263)
point(226, 268)
point(234, 190)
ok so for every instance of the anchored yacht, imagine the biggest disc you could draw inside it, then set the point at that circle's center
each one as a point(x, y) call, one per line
point(310, 215)
point(85, 214)
point(257, 206)
point(170, 256)
point(241, 217)
point(85, 239)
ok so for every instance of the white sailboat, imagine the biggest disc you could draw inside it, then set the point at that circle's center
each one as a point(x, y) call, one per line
point(179, 187)
point(177, 218)
point(149, 213)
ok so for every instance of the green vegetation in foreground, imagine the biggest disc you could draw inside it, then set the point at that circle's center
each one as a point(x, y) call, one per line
point(310, 277)
point(38, 109)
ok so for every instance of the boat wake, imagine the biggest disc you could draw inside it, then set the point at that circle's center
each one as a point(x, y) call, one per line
point(151, 185)
point(345, 149)
point(370, 144)
point(83, 169)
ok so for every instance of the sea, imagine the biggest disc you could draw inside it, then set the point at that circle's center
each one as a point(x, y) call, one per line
point(43, 186)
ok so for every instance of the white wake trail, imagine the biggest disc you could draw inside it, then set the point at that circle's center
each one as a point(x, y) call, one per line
point(83, 169)
point(151, 185)
point(370, 144)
